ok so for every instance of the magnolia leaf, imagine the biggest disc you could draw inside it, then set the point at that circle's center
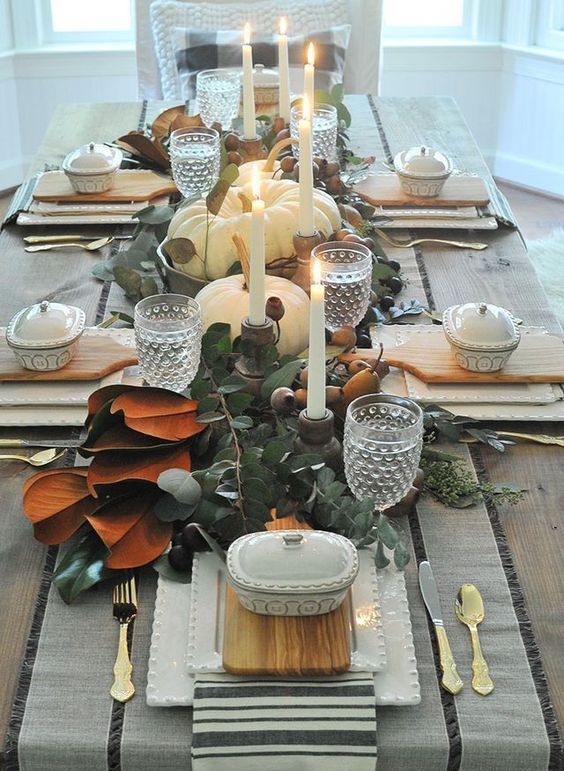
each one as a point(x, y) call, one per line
point(147, 402)
point(185, 121)
point(160, 127)
point(139, 144)
point(128, 279)
point(282, 377)
point(81, 567)
point(165, 569)
point(181, 484)
point(120, 437)
point(171, 427)
point(180, 250)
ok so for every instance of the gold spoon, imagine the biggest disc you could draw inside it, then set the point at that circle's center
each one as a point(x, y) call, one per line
point(477, 245)
point(91, 247)
point(42, 458)
point(469, 608)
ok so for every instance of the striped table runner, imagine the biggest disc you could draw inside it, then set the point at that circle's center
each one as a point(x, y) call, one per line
point(243, 724)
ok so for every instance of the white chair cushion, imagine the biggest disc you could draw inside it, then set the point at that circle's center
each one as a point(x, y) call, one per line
point(304, 16)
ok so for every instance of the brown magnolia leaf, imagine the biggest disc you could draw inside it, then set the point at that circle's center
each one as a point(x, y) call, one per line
point(143, 402)
point(172, 427)
point(180, 250)
point(98, 398)
point(161, 125)
point(57, 502)
point(130, 529)
point(186, 121)
point(111, 467)
point(144, 147)
point(120, 437)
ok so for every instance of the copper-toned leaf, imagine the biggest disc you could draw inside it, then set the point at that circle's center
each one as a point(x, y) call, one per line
point(161, 125)
point(130, 530)
point(141, 402)
point(140, 145)
point(97, 399)
point(108, 468)
point(121, 437)
point(186, 121)
point(171, 427)
point(57, 502)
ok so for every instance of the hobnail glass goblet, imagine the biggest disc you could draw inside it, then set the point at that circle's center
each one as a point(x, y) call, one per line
point(217, 93)
point(346, 273)
point(382, 446)
point(168, 338)
point(323, 130)
point(194, 159)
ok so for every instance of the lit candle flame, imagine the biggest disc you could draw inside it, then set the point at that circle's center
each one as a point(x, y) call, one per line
point(247, 34)
point(316, 271)
point(255, 182)
point(306, 109)
point(311, 54)
point(283, 25)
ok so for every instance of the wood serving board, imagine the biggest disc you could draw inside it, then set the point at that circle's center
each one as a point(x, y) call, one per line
point(95, 357)
point(285, 645)
point(458, 190)
point(130, 185)
point(537, 359)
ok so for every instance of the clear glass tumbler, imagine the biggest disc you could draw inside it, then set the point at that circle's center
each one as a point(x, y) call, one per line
point(168, 338)
point(382, 446)
point(346, 272)
point(194, 158)
point(217, 94)
point(324, 130)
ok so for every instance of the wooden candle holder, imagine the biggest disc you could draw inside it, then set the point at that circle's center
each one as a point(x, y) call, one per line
point(253, 338)
point(318, 436)
point(303, 246)
point(252, 149)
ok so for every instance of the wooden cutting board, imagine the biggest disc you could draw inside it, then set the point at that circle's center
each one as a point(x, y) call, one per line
point(458, 190)
point(94, 358)
point(130, 185)
point(537, 359)
point(285, 646)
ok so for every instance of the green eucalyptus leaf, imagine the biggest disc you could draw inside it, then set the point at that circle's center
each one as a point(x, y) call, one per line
point(401, 556)
point(257, 489)
point(208, 404)
point(181, 484)
point(387, 533)
point(164, 569)
point(129, 280)
point(230, 173)
point(235, 382)
point(238, 403)
point(103, 271)
point(149, 287)
point(200, 389)
point(154, 215)
point(180, 250)
point(282, 377)
point(338, 92)
point(380, 559)
point(210, 417)
point(81, 567)
point(169, 509)
point(242, 422)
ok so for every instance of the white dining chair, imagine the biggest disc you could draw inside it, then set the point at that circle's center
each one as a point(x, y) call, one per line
point(154, 40)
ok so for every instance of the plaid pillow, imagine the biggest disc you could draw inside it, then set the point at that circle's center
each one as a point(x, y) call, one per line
point(196, 50)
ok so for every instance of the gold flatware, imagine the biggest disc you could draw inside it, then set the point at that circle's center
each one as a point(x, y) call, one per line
point(91, 247)
point(539, 438)
point(469, 608)
point(476, 245)
point(42, 458)
point(450, 680)
point(68, 238)
point(125, 609)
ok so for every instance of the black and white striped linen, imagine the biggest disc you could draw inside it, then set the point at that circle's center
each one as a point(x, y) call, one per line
point(246, 724)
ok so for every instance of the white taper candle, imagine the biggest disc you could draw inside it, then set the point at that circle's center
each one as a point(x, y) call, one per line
point(257, 315)
point(306, 224)
point(315, 408)
point(309, 76)
point(283, 73)
point(249, 128)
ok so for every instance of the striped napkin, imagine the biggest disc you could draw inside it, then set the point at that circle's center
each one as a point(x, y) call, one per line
point(246, 724)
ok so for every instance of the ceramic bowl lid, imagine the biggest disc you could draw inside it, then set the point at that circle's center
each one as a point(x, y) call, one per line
point(264, 78)
point(93, 159)
point(45, 325)
point(422, 161)
point(292, 560)
point(480, 325)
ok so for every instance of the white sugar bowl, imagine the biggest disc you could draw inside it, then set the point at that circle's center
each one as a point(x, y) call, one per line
point(44, 336)
point(292, 572)
point(422, 171)
point(482, 336)
point(92, 168)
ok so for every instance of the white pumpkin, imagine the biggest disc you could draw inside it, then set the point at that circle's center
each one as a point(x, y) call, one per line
point(282, 201)
point(227, 300)
point(246, 171)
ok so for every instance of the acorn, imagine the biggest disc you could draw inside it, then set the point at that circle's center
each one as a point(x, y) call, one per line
point(231, 142)
point(333, 184)
point(342, 233)
point(279, 124)
point(332, 168)
point(364, 382)
point(350, 214)
point(296, 171)
point(357, 366)
point(283, 400)
point(303, 377)
point(301, 397)
point(363, 340)
point(405, 506)
point(282, 134)
point(180, 559)
point(353, 238)
point(287, 164)
point(234, 157)
point(217, 127)
point(345, 337)
point(274, 308)
point(333, 394)
point(382, 368)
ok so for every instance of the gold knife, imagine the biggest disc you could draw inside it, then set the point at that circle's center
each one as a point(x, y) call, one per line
point(451, 680)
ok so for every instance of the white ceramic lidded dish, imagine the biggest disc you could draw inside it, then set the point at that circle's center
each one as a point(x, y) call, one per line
point(44, 336)
point(422, 171)
point(482, 336)
point(92, 168)
point(292, 572)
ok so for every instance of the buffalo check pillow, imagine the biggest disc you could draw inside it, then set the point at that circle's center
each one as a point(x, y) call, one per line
point(196, 50)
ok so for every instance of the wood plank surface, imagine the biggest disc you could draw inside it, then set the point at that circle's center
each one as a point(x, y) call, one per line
point(129, 185)
point(386, 190)
point(537, 359)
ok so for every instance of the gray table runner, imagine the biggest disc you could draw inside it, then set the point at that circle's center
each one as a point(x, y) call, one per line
point(63, 717)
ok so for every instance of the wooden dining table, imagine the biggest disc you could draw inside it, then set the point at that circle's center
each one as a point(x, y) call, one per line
point(437, 275)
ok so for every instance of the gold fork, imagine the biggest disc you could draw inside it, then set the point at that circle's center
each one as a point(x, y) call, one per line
point(125, 609)
point(477, 245)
